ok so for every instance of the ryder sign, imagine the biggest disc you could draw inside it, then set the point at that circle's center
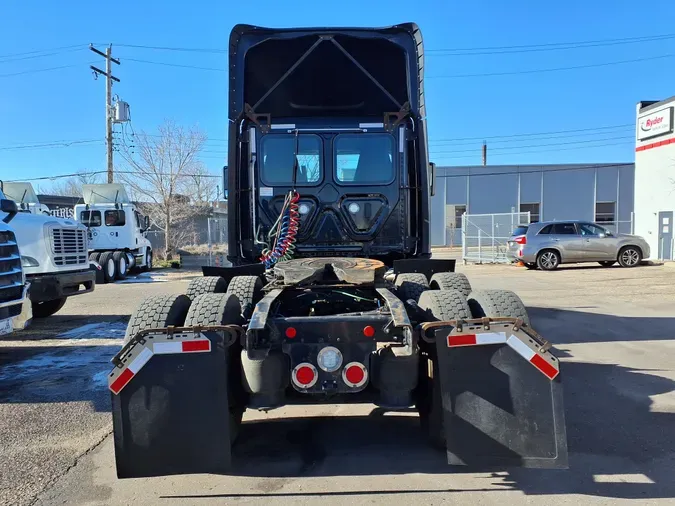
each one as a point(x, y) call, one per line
point(655, 123)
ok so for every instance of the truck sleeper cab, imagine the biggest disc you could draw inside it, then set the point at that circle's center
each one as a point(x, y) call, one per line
point(117, 230)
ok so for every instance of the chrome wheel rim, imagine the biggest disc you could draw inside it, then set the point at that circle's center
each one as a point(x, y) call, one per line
point(123, 265)
point(549, 260)
point(111, 268)
point(630, 257)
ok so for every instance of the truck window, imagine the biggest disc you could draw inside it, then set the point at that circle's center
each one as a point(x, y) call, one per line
point(365, 159)
point(91, 218)
point(115, 218)
point(277, 160)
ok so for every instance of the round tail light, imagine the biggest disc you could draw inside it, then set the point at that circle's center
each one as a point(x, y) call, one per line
point(355, 374)
point(305, 375)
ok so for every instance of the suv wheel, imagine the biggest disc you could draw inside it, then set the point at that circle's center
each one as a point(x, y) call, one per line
point(630, 256)
point(548, 260)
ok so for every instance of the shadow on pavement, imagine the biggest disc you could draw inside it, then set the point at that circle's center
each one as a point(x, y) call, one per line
point(562, 326)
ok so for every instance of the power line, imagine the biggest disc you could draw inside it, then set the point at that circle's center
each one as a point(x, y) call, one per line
point(174, 65)
point(540, 151)
point(540, 145)
point(555, 69)
point(554, 46)
point(61, 48)
point(34, 71)
point(442, 143)
point(510, 136)
point(10, 60)
point(63, 144)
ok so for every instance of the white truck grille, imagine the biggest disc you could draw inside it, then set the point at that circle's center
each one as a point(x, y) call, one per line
point(69, 246)
point(11, 279)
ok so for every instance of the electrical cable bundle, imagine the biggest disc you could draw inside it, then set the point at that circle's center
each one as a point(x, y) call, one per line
point(283, 232)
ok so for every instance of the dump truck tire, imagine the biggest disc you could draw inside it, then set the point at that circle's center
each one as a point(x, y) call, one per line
point(107, 263)
point(450, 281)
point(207, 284)
point(497, 303)
point(223, 309)
point(439, 305)
point(121, 264)
point(248, 289)
point(158, 312)
point(410, 285)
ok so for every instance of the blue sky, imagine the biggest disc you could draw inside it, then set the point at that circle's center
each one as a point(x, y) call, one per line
point(68, 104)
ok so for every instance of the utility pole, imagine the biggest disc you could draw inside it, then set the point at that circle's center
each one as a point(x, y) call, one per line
point(484, 153)
point(109, 78)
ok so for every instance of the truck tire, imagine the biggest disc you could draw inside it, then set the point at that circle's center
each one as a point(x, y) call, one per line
point(148, 261)
point(410, 285)
point(107, 262)
point(223, 309)
point(248, 289)
point(439, 305)
point(450, 281)
point(158, 312)
point(121, 263)
point(630, 256)
point(94, 256)
point(206, 284)
point(47, 308)
point(497, 303)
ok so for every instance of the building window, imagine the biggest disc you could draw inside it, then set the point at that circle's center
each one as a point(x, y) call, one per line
point(459, 211)
point(605, 212)
point(533, 209)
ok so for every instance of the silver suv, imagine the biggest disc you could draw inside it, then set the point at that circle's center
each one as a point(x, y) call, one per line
point(546, 245)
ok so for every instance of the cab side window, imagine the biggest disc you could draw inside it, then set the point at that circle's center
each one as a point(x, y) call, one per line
point(115, 218)
point(91, 218)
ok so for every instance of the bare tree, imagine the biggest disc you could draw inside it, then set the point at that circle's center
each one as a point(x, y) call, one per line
point(165, 175)
point(72, 186)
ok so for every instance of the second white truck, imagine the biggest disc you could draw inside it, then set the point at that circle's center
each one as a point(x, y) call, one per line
point(117, 231)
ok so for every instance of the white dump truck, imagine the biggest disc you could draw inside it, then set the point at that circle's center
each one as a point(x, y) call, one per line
point(13, 287)
point(117, 230)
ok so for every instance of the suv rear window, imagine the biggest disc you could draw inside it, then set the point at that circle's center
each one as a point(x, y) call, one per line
point(522, 230)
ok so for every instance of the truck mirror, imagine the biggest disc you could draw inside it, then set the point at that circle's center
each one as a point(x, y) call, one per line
point(225, 175)
point(432, 178)
point(9, 207)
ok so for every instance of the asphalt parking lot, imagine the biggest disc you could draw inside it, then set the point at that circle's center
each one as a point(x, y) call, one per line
point(613, 329)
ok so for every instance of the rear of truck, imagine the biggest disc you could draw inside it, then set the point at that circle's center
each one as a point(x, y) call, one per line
point(332, 297)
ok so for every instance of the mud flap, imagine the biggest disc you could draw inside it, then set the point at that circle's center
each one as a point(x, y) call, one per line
point(498, 409)
point(172, 415)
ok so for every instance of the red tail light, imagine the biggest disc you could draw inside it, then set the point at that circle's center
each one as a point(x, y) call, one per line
point(305, 375)
point(521, 240)
point(355, 374)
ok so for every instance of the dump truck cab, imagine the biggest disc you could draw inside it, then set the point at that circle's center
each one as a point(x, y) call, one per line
point(332, 296)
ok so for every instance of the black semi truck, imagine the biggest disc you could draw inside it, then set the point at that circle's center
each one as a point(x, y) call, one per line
point(332, 296)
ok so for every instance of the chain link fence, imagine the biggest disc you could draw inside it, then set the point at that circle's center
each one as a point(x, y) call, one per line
point(484, 236)
point(217, 242)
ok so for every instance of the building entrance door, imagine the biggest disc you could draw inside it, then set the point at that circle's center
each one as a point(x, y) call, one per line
point(666, 235)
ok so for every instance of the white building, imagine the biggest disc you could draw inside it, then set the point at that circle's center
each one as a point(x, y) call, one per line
point(655, 176)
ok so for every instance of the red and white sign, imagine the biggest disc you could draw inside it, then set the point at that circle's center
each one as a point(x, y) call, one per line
point(655, 123)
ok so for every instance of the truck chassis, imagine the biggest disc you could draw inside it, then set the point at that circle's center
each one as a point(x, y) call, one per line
point(487, 388)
